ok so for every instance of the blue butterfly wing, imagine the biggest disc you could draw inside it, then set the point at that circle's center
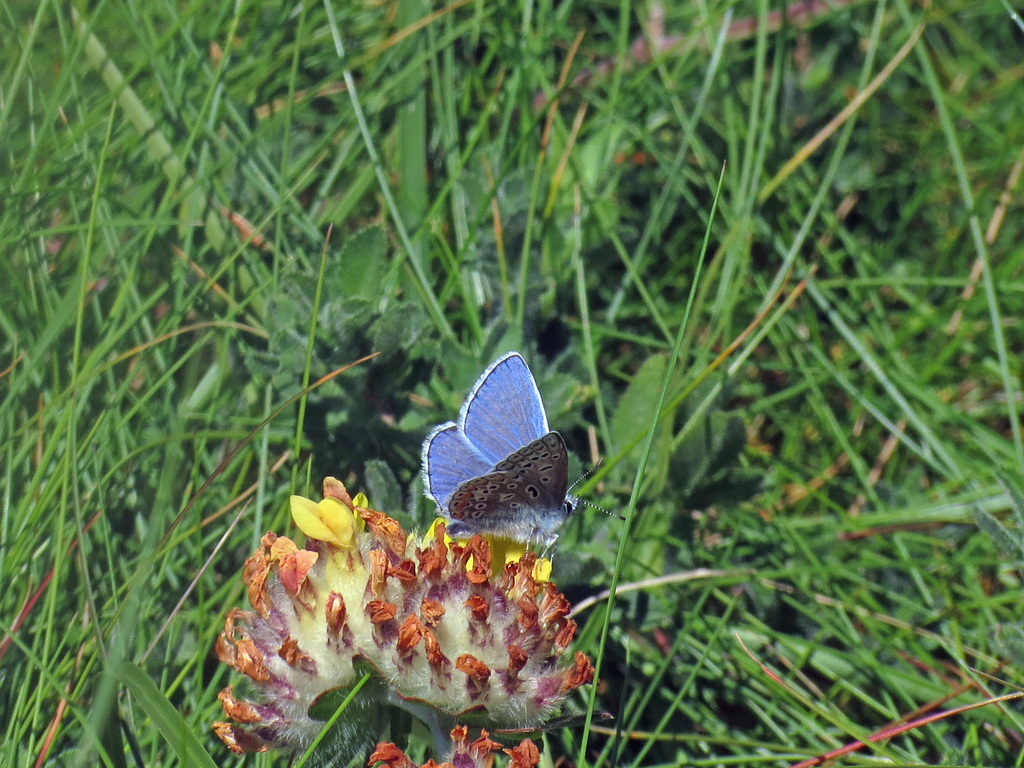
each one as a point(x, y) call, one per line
point(448, 461)
point(504, 412)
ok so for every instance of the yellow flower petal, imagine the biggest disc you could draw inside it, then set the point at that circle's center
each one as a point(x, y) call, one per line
point(513, 550)
point(329, 521)
point(542, 570)
point(428, 537)
point(306, 514)
point(340, 520)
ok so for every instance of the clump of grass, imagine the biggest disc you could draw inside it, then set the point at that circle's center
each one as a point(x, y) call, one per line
point(843, 412)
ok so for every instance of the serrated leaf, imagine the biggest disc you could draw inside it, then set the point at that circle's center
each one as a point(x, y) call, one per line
point(398, 328)
point(1011, 637)
point(998, 533)
point(362, 263)
point(639, 399)
point(382, 486)
point(1016, 494)
point(634, 412)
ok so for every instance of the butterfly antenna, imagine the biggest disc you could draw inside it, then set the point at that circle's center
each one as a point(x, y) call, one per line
point(585, 475)
point(602, 509)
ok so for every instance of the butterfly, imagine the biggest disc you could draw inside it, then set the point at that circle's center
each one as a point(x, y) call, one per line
point(500, 470)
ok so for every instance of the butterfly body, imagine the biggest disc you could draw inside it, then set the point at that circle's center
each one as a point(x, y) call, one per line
point(500, 470)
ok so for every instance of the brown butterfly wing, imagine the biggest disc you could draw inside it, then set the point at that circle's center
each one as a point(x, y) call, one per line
point(523, 495)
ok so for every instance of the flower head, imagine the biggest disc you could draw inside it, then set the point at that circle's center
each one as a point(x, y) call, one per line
point(465, 753)
point(443, 635)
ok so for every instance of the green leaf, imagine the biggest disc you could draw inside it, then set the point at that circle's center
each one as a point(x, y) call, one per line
point(172, 726)
point(362, 263)
point(634, 413)
point(382, 486)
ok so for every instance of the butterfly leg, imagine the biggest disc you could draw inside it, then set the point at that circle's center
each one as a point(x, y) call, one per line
point(549, 550)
